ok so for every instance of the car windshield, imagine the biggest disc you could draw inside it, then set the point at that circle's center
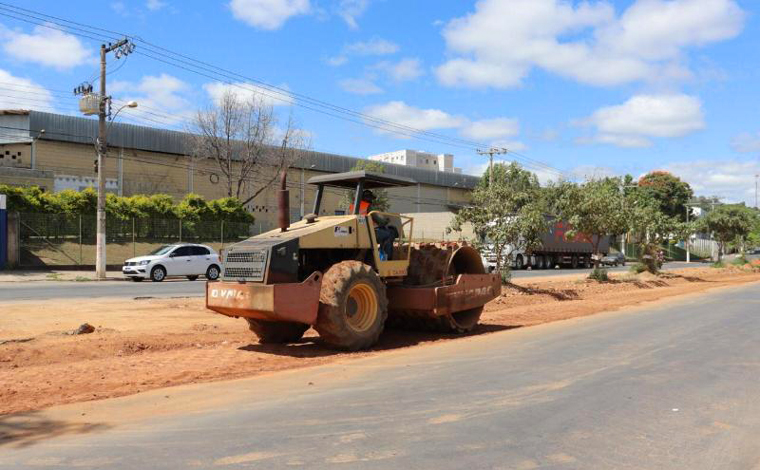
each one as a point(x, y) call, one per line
point(163, 250)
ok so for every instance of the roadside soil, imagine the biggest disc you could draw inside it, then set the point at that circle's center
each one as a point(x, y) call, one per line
point(140, 345)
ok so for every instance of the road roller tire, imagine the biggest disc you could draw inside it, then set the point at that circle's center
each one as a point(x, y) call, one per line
point(353, 306)
point(277, 332)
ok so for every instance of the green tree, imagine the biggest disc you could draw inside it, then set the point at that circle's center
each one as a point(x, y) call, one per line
point(381, 196)
point(729, 223)
point(595, 209)
point(655, 229)
point(510, 214)
point(668, 190)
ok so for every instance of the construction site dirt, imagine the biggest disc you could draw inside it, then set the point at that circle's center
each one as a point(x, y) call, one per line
point(140, 345)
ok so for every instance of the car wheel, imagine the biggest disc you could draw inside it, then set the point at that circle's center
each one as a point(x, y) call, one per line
point(212, 273)
point(192, 278)
point(519, 264)
point(158, 274)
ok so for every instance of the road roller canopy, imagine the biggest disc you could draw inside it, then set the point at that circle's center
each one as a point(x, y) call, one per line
point(370, 180)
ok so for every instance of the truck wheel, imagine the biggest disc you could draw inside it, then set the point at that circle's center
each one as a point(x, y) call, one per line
point(353, 306)
point(276, 331)
point(574, 262)
point(540, 263)
point(519, 263)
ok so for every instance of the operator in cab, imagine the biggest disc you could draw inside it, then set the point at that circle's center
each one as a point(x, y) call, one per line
point(385, 232)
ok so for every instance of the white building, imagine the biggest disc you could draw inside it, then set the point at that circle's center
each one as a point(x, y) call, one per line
point(419, 159)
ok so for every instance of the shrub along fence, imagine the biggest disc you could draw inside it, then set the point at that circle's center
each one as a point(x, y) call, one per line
point(69, 240)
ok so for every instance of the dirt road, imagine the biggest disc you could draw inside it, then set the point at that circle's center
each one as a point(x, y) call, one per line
point(147, 344)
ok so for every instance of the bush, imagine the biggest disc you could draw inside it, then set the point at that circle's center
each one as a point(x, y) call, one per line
point(599, 274)
point(740, 261)
point(639, 268)
point(506, 274)
point(192, 208)
point(718, 264)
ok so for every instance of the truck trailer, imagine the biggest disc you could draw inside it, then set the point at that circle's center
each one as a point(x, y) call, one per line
point(556, 251)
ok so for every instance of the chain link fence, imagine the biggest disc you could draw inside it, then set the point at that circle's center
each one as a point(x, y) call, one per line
point(63, 240)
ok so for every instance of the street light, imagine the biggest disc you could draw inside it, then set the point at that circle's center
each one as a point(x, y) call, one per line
point(130, 104)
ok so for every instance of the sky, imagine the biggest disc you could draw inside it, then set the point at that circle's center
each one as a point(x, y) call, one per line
point(577, 89)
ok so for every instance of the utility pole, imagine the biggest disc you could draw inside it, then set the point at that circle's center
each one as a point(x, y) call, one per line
point(491, 152)
point(103, 109)
point(688, 236)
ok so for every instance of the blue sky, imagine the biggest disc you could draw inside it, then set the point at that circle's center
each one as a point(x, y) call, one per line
point(588, 88)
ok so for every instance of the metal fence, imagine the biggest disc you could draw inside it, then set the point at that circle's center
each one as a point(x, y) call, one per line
point(61, 240)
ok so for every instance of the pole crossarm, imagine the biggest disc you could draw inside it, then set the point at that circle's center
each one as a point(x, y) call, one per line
point(491, 152)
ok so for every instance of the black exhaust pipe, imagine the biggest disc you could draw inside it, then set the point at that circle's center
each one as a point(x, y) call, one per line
point(283, 203)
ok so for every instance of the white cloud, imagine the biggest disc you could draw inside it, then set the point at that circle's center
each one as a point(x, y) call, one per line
point(372, 47)
point(22, 93)
point(746, 142)
point(399, 112)
point(350, 10)
point(248, 91)
point(642, 117)
point(732, 179)
point(155, 5)
point(375, 46)
point(164, 94)
point(360, 86)
point(337, 60)
point(268, 14)
point(403, 70)
point(491, 129)
point(46, 46)
point(119, 8)
point(499, 43)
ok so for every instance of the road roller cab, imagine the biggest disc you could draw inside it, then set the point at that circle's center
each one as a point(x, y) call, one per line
point(345, 275)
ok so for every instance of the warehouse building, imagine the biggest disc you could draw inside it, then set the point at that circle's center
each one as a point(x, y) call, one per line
point(57, 152)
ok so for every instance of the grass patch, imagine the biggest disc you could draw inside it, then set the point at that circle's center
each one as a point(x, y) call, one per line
point(53, 277)
point(599, 274)
point(740, 261)
point(638, 268)
point(82, 279)
point(718, 265)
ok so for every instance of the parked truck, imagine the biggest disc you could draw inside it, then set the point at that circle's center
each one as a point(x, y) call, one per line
point(555, 251)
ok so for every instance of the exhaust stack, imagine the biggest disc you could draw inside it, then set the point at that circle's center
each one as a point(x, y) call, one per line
point(283, 203)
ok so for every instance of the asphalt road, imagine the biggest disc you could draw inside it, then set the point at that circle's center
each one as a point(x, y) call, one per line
point(46, 290)
point(668, 387)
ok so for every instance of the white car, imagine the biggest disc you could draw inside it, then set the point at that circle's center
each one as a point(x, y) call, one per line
point(182, 259)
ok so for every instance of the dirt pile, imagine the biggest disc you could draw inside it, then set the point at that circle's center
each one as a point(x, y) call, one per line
point(148, 344)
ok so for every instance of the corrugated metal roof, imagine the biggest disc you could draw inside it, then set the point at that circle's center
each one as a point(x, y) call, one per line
point(75, 129)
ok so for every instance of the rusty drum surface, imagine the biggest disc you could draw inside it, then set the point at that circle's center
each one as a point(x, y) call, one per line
point(468, 292)
point(296, 302)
